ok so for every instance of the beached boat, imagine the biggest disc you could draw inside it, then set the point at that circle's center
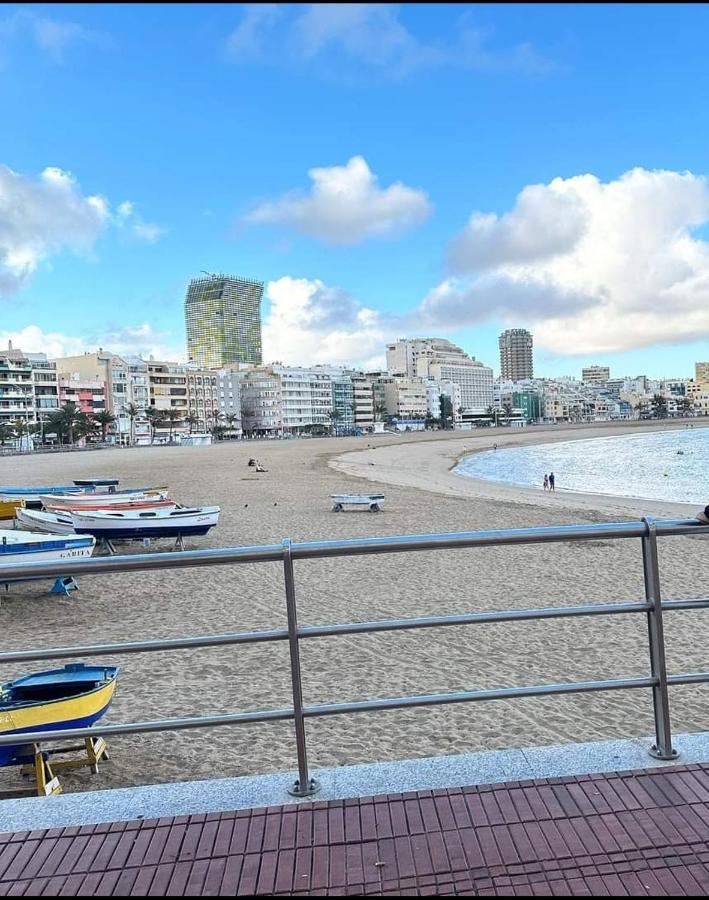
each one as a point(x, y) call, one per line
point(30, 492)
point(73, 697)
point(175, 523)
point(150, 503)
point(8, 507)
point(30, 546)
point(44, 522)
point(94, 497)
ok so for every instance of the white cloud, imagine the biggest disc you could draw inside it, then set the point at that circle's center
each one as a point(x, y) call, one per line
point(53, 36)
point(593, 267)
point(346, 206)
point(132, 340)
point(41, 217)
point(360, 38)
point(311, 323)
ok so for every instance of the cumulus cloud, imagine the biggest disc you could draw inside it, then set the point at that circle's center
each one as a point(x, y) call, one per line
point(369, 38)
point(592, 266)
point(39, 217)
point(131, 340)
point(312, 323)
point(345, 205)
point(43, 216)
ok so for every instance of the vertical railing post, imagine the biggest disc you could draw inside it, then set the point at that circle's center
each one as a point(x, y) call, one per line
point(662, 748)
point(304, 785)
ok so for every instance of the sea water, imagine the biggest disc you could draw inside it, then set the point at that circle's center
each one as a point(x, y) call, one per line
point(668, 465)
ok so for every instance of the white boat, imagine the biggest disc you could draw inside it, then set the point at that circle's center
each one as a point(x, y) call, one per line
point(45, 522)
point(95, 497)
point(146, 523)
point(26, 546)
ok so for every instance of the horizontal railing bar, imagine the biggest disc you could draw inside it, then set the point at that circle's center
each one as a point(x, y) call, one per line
point(255, 637)
point(353, 547)
point(688, 678)
point(328, 709)
point(518, 615)
point(698, 603)
point(210, 640)
point(42, 737)
point(539, 690)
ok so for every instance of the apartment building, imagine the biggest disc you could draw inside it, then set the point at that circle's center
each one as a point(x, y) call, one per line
point(114, 372)
point(28, 386)
point(404, 398)
point(363, 402)
point(261, 402)
point(229, 398)
point(203, 397)
point(88, 395)
point(595, 374)
point(516, 354)
point(306, 397)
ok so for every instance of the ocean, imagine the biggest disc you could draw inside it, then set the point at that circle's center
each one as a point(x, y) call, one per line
point(668, 465)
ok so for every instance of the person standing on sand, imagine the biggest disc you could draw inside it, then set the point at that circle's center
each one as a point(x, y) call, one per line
point(546, 482)
point(551, 482)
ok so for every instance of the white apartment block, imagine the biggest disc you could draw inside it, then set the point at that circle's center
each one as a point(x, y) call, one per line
point(595, 374)
point(363, 400)
point(306, 396)
point(28, 386)
point(405, 398)
point(229, 389)
point(450, 389)
point(475, 382)
point(261, 401)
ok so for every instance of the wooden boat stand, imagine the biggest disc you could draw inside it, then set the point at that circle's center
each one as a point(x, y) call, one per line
point(37, 764)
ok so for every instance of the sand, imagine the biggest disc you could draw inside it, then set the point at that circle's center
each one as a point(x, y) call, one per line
point(291, 500)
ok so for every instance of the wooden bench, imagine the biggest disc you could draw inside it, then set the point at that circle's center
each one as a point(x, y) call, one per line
point(372, 501)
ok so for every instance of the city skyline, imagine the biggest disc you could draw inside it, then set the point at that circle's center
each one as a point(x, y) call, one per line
point(462, 235)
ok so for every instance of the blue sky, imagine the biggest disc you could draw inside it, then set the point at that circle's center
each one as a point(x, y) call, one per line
point(198, 126)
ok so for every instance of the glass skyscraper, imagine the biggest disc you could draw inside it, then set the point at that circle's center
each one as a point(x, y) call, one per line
point(223, 321)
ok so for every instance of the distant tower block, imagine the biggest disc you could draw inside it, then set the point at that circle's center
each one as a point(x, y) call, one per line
point(516, 354)
point(223, 321)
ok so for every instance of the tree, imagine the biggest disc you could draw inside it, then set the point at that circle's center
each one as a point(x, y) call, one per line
point(507, 409)
point(7, 433)
point(191, 420)
point(334, 415)
point(659, 406)
point(231, 420)
point(153, 416)
point(104, 418)
point(446, 405)
point(69, 422)
point(380, 410)
point(172, 417)
point(21, 430)
point(430, 421)
point(132, 411)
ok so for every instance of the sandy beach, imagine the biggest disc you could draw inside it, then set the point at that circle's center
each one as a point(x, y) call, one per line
point(291, 500)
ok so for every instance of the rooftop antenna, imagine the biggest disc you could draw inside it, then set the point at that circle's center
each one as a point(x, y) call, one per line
point(211, 274)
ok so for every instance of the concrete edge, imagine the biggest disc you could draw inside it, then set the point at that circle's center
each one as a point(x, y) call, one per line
point(339, 783)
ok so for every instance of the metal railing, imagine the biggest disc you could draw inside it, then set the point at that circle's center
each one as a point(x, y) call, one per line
point(647, 531)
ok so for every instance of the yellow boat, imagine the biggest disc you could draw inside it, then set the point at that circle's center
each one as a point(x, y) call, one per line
point(8, 507)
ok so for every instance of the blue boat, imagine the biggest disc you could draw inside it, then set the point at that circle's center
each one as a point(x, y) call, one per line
point(73, 697)
point(34, 491)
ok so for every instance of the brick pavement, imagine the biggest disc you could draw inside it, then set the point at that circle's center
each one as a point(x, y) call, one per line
point(643, 833)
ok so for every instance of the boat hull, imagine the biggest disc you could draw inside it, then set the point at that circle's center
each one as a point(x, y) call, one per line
point(92, 499)
point(135, 525)
point(133, 532)
point(44, 522)
point(23, 546)
point(8, 507)
point(79, 711)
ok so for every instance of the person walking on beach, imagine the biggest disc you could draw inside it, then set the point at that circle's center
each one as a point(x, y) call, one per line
point(551, 482)
point(546, 482)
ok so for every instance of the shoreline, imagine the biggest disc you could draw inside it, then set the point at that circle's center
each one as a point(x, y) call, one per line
point(431, 467)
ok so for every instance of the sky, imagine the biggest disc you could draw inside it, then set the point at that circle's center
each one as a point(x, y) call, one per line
point(386, 170)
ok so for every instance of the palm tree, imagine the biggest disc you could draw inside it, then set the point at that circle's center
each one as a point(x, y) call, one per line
point(191, 420)
point(6, 433)
point(231, 420)
point(659, 405)
point(104, 418)
point(69, 419)
point(132, 411)
point(21, 429)
point(334, 415)
point(153, 416)
point(380, 409)
point(172, 417)
point(507, 408)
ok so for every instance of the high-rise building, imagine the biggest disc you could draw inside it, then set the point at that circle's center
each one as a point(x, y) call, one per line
point(28, 386)
point(701, 372)
point(595, 374)
point(516, 354)
point(223, 321)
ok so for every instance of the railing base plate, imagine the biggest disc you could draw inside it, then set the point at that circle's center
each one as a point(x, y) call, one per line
point(658, 754)
point(311, 788)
